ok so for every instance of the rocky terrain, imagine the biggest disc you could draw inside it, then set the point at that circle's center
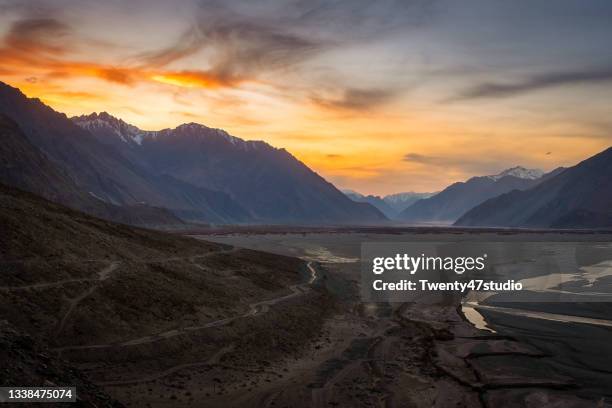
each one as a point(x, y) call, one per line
point(26, 362)
point(126, 305)
point(425, 353)
point(147, 318)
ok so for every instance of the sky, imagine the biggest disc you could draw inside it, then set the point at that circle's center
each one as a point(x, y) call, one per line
point(378, 97)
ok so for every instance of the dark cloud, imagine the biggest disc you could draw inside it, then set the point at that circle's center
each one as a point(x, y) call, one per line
point(247, 39)
point(240, 41)
point(48, 43)
point(237, 47)
point(190, 42)
point(245, 48)
point(356, 99)
point(535, 83)
point(37, 35)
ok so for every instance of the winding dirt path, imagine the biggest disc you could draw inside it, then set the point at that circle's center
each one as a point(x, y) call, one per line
point(255, 309)
point(103, 275)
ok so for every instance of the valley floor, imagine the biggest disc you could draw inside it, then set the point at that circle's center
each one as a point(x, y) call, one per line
point(274, 320)
point(369, 355)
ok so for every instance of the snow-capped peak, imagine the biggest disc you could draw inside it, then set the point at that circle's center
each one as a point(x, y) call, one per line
point(209, 133)
point(103, 120)
point(519, 172)
point(131, 134)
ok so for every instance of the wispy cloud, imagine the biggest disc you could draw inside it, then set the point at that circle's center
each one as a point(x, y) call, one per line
point(236, 43)
point(421, 158)
point(535, 83)
point(45, 47)
point(188, 43)
point(46, 35)
point(467, 165)
point(235, 46)
point(355, 99)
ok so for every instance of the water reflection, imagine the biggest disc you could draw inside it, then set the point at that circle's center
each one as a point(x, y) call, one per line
point(578, 283)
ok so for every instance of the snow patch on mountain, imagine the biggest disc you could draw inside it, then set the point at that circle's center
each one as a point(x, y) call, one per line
point(103, 120)
point(131, 134)
point(519, 172)
point(409, 196)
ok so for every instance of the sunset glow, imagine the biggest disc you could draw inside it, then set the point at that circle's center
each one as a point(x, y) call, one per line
point(379, 98)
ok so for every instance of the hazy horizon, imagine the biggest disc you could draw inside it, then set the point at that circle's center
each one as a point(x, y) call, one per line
point(379, 98)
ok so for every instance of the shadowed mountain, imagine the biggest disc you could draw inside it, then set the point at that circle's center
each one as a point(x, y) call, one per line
point(578, 197)
point(452, 202)
point(198, 173)
point(271, 184)
point(26, 167)
point(105, 172)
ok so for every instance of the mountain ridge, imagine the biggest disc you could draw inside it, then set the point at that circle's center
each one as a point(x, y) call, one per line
point(520, 172)
point(576, 197)
point(456, 199)
point(26, 167)
point(184, 153)
point(200, 174)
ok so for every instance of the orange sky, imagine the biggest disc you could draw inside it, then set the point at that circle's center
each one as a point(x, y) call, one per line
point(379, 111)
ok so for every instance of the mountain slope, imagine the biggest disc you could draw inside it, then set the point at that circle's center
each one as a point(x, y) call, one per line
point(123, 302)
point(31, 364)
point(110, 173)
point(198, 173)
point(157, 282)
point(578, 197)
point(452, 202)
point(271, 184)
point(26, 167)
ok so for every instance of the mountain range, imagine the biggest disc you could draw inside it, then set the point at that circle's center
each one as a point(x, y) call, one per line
point(24, 166)
point(108, 168)
point(390, 205)
point(452, 202)
point(192, 173)
point(577, 197)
